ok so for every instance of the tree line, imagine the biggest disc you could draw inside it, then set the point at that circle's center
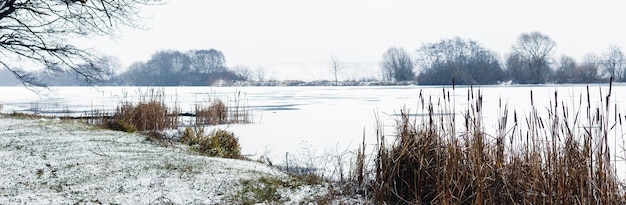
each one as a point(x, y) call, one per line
point(531, 61)
point(175, 68)
point(164, 68)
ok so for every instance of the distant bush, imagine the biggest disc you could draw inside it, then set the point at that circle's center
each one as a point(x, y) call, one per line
point(219, 143)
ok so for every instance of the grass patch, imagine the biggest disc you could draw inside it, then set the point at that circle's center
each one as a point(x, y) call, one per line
point(261, 190)
point(552, 159)
point(267, 189)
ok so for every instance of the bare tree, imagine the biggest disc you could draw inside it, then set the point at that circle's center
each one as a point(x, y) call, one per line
point(243, 71)
point(397, 65)
point(614, 64)
point(260, 73)
point(336, 66)
point(38, 31)
point(566, 72)
point(531, 58)
point(589, 68)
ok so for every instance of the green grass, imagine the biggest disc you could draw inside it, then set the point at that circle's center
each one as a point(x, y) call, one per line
point(267, 189)
point(261, 190)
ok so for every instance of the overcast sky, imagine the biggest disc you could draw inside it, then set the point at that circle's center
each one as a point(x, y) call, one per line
point(255, 32)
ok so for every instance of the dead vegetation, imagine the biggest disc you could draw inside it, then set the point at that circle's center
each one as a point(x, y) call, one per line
point(215, 112)
point(562, 157)
point(149, 114)
point(218, 143)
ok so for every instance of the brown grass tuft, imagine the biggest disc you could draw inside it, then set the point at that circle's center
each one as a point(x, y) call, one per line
point(149, 114)
point(217, 112)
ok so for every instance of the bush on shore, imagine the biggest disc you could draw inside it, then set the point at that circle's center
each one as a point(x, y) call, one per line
point(219, 143)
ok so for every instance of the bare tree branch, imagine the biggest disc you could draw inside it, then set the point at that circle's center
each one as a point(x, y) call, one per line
point(39, 31)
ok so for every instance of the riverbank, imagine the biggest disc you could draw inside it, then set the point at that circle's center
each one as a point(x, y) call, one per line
point(52, 161)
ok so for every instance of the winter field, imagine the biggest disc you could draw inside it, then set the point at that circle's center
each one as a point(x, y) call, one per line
point(311, 127)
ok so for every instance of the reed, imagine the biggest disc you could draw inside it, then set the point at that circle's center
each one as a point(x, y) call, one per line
point(213, 114)
point(149, 114)
point(562, 157)
point(215, 111)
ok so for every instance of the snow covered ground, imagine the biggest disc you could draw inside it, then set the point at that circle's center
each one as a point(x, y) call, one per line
point(47, 161)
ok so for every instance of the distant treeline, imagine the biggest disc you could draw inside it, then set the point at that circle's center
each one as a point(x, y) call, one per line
point(531, 61)
point(174, 68)
point(164, 68)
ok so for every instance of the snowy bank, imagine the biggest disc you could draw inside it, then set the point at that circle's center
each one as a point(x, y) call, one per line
point(46, 161)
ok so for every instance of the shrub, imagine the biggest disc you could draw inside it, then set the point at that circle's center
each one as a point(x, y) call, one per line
point(224, 144)
point(219, 143)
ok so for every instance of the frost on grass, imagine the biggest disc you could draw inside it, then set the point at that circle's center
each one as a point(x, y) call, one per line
point(54, 162)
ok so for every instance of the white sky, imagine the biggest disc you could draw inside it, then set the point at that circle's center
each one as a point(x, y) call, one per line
point(253, 32)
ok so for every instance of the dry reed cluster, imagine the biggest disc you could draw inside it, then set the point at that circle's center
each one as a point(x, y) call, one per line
point(553, 159)
point(217, 112)
point(149, 114)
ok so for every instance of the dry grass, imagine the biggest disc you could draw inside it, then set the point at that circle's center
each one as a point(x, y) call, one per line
point(217, 112)
point(149, 114)
point(551, 160)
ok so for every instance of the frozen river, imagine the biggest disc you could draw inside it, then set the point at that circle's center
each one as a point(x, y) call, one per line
point(311, 123)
